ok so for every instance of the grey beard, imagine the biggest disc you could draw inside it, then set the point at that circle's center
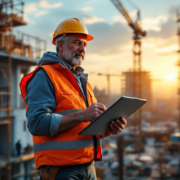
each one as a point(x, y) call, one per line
point(74, 61)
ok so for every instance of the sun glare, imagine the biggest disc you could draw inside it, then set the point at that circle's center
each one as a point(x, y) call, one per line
point(171, 76)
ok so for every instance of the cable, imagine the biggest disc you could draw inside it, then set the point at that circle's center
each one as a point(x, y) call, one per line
point(134, 5)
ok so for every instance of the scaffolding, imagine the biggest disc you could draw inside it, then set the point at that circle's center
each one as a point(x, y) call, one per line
point(13, 42)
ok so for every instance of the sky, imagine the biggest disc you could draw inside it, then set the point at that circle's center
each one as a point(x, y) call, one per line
point(111, 49)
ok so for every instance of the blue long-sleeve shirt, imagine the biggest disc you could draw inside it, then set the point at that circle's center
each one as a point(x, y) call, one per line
point(40, 99)
point(41, 103)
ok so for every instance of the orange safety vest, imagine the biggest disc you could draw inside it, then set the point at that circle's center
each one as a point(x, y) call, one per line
point(67, 148)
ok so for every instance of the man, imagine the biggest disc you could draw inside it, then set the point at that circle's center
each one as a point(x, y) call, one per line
point(18, 148)
point(60, 103)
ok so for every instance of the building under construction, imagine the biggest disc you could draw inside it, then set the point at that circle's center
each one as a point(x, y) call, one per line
point(146, 89)
point(18, 52)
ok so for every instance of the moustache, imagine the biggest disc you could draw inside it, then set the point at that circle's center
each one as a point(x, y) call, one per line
point(79, 53)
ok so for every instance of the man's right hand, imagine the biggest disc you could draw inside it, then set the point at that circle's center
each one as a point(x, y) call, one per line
point(92, 112)
point(72, 119)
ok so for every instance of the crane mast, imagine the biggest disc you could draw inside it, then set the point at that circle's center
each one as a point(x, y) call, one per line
point(108, 80)
point(178, 65)
point(138, 33)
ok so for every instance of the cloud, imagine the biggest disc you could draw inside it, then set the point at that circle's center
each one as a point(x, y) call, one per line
point(121, 19)
point(90, 2)
point(35, 9)
point(50, 35)
point(92, 20)
point(133, 14)
point(26, 19)
point(154, 23)
point(167, 50)
point(168, 30)
point(40, 13)
point(31, 7)
point(45, 4)
point(164, 41)
point(87, 9)
point(116, 38)
point(109, 39)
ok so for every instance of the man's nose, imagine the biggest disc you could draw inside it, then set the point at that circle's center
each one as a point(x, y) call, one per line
point(82, 48)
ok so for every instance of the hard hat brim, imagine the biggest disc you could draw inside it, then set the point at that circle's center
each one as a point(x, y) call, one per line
point(89, 37)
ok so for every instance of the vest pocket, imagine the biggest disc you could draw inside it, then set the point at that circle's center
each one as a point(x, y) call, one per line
point(69, 100)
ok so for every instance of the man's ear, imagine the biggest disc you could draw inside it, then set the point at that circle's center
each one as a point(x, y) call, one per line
point(61, 45)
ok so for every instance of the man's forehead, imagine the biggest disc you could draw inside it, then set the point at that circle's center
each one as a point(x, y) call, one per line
point(78, 36)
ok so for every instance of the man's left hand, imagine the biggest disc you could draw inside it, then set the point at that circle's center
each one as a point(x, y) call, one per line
point(117, 126)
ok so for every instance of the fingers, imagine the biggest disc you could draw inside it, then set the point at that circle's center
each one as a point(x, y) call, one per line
point(118, 125)
point(99, 112)
point(123, 120)
point(93, 111)
point(100, 106)
point(115, 129)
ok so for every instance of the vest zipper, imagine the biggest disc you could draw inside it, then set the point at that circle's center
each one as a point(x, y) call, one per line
point(87, 104)
point(80, 87)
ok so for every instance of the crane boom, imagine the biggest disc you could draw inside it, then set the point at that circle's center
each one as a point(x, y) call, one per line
point(134, 25)
point(123, 11)
point(101, 74)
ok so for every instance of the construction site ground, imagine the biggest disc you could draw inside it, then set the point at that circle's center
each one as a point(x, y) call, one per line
point(151, 150)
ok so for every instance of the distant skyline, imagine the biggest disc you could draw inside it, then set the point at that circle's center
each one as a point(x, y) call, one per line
point(111, 49)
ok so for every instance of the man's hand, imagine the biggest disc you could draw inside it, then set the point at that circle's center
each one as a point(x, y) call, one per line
point(92, 112)
point(72, 119)
point(117, 126)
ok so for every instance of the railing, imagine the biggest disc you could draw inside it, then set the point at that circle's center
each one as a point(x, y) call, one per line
point(4, 99)
point(14, 41)
point(22, 44)
point(10, 8)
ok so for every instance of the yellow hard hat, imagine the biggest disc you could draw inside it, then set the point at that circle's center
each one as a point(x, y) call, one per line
point(73, 25)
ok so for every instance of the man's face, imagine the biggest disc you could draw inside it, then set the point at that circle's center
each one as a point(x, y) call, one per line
point(75, 49)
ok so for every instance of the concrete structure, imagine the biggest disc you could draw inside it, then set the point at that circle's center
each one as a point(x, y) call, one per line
point(23, 165)
point(146, 91)
point(16, 58)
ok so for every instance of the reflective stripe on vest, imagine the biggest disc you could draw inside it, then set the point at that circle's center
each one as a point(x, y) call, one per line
point(68, 111)
point(66, 145)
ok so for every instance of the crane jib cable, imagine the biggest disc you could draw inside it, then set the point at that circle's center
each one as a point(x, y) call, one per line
point(134, 5)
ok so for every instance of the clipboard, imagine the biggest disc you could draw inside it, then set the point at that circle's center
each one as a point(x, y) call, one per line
point(123, 107)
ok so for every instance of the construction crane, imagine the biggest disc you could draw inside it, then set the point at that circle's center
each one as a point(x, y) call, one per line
point(178, 65)
point(108, 80)
point(138, 34)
